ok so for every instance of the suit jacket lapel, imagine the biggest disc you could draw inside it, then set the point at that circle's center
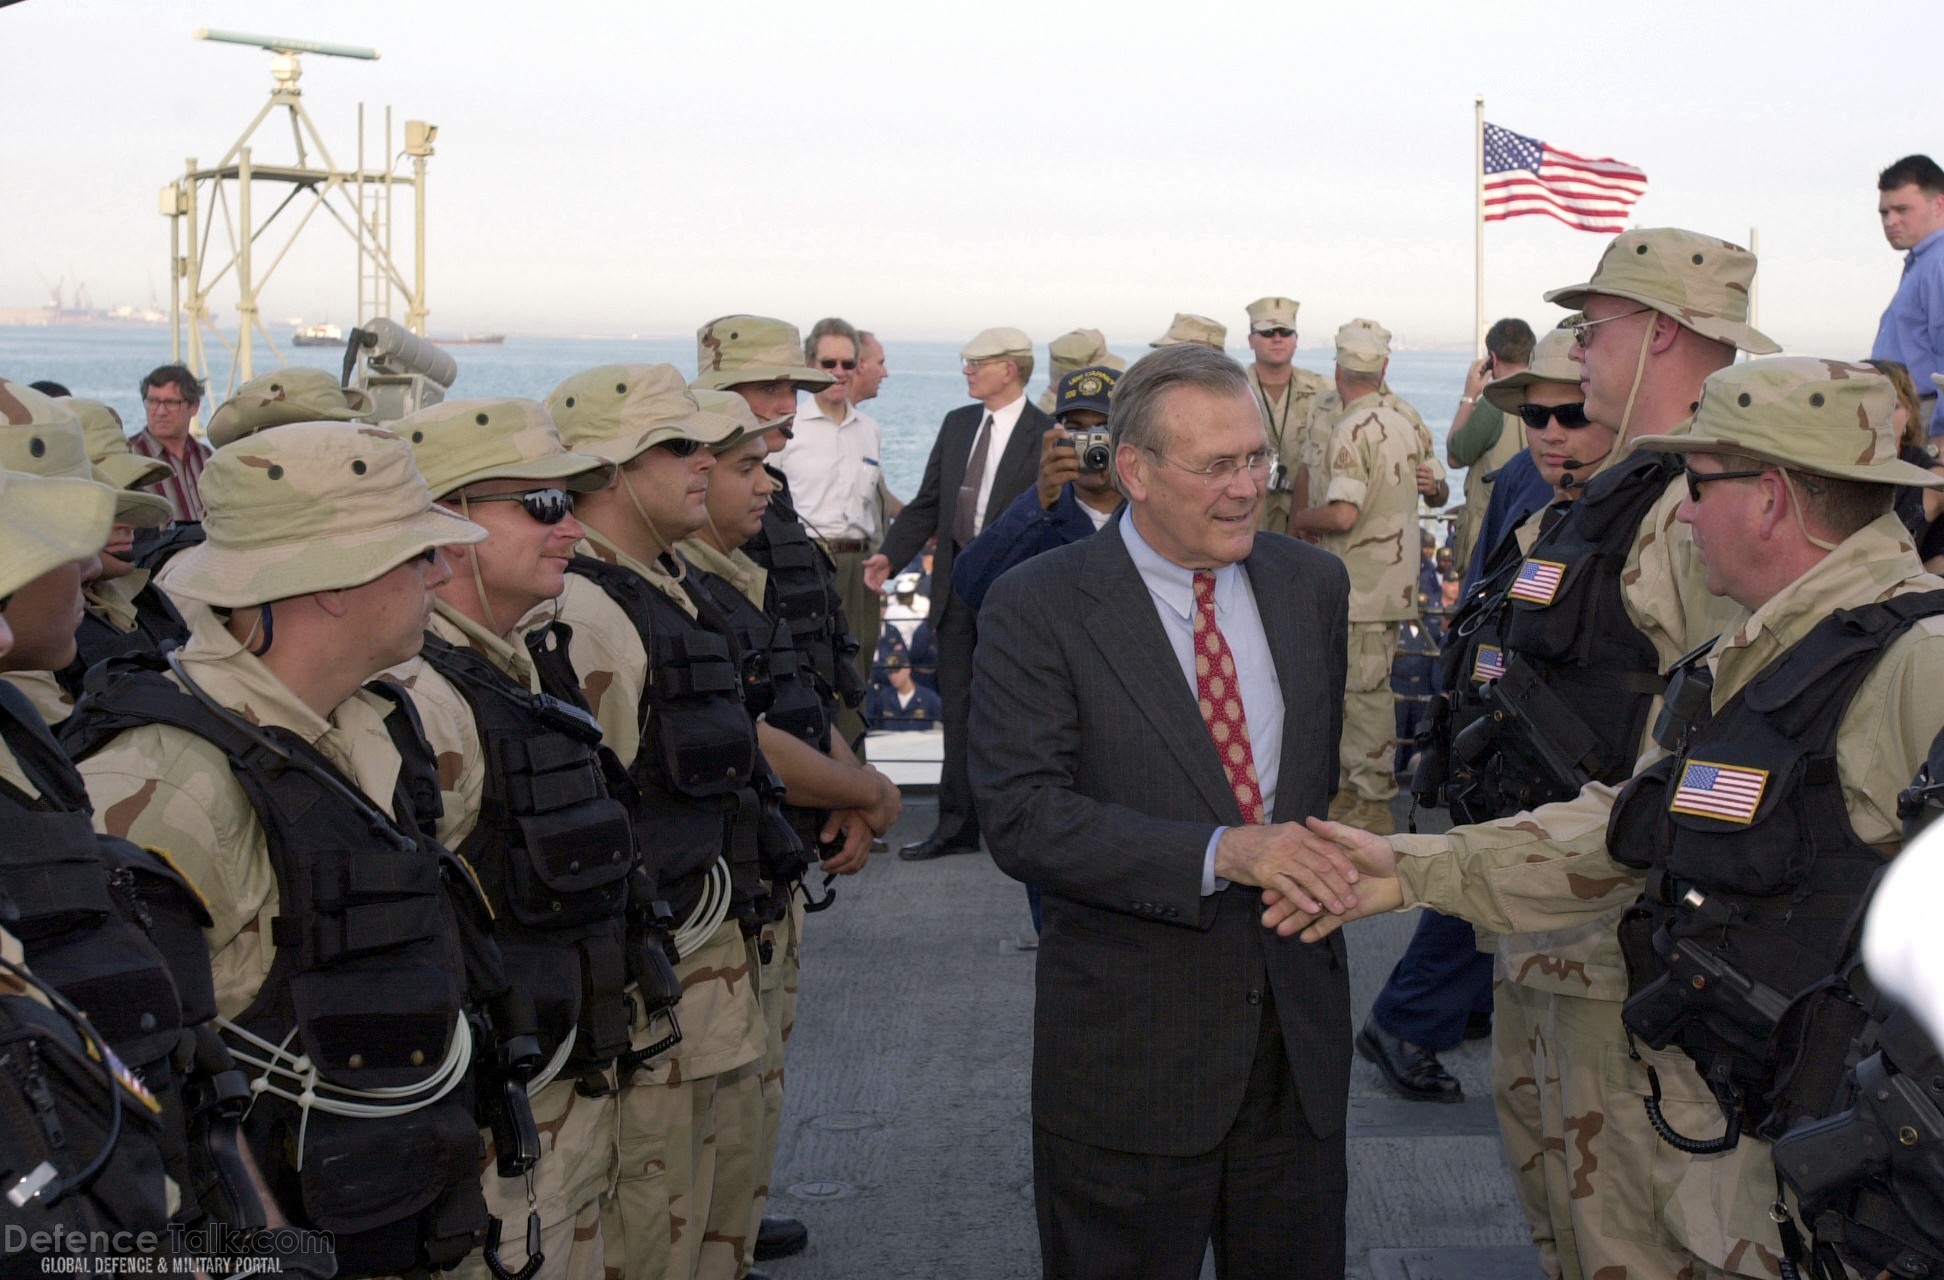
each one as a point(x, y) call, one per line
point(1281, 610)
point(1123, 624)
point(1019, 464)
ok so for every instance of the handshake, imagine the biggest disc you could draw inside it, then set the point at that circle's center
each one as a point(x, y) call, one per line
point(1315, 876)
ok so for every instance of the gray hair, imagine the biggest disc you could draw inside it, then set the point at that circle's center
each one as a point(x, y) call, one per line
point(829, 327)
point(1136, 415)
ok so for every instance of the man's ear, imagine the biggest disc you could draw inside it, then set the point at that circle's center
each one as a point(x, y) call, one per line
point(331, 602)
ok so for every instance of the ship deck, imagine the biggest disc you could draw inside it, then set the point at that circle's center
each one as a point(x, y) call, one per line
point(906, 1145)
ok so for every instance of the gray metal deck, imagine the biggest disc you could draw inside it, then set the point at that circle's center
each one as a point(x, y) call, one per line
point(906, 1143)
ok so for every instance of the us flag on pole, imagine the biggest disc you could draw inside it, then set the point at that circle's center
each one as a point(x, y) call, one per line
point(1524, 175)
point(1723, 791)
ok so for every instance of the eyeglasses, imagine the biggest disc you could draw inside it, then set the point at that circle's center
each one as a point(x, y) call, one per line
point(428, 556)
point(1695, 479)
point(1275, 333)
point(548, 506)
point(165, 402)
point(680, 446)
point(830, 363)
point(1570, 416)
point(1580, 329)
point(1220, 473)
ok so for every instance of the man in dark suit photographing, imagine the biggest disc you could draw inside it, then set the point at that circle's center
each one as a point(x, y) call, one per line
point(1152, 709)
point(986, 455)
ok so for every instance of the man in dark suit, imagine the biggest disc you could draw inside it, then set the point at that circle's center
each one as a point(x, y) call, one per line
point(1155, 710)
point(986, 455)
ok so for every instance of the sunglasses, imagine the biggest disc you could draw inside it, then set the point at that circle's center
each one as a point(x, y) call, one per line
point(830, 363)
point(548, 506)
point(680, 446)
point(1695, 479)
point(428, 556)
point(1583, 331)
point(1275, 333)
point(1570, 416)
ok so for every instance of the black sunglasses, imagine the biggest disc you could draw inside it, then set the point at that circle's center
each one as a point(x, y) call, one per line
point(1275, 333)
point(430, 556)
point(548, 506)
point(1695, 479)
point(680, 446)
point(1570, 416)
point(845, 365)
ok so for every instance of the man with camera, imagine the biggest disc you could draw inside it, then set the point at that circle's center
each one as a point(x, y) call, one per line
point(1073, 497)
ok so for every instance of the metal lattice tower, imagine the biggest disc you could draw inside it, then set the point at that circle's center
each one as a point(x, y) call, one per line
point(233, 191)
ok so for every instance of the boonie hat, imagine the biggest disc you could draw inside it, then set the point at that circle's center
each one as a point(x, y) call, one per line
point(1550, 363)
point(115, 464)
point(1825, 417)
point(1196, 329)
point(46, 523)
point(461, 442)
point(731, 405)
point(1085, 389)
point(620, 411)
point(1697, 280)
point(732, 350)
point(42, 437)
point(311, 506)
point(1363, 346)
point(296, 394)
point(1272, 313)
point(989, 344)
point(1080, 349)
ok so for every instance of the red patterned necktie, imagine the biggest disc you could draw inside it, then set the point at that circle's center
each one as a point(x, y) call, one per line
point(1220, 696)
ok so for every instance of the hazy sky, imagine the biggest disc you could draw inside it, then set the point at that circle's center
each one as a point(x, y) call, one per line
point(928, 169)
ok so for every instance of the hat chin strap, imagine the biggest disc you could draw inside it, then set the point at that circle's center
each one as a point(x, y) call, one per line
point(479, 582)
point(1795, 506)
point(1640, 372)
point(668, 549)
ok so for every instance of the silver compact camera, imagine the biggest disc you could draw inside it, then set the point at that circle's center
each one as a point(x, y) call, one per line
point(1095, 451)
point(1278, 476)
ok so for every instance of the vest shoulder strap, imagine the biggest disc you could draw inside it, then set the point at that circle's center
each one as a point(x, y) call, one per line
point(38, 754)
point(1614, 501)
point(1806, 688)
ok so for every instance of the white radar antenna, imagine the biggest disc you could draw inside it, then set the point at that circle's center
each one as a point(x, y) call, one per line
point(236, 188)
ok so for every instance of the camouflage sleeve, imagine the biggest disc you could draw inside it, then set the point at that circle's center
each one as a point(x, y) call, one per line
point(609, 659)
point(1428, 451)
point(454, 735)
point(1531, 873)
point(1353, 463)
point(1664, 584)
point(1886, 733)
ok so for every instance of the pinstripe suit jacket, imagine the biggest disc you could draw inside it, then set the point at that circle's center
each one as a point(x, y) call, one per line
point(1096, 781)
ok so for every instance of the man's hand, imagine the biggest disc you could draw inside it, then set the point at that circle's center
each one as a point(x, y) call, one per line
point(890, 803)
point(1289, 861)
point(1059, 464)
point(1331, 844)
point(850, 826)
point(1428, 482)
point(876, 570)
point(1476, 377)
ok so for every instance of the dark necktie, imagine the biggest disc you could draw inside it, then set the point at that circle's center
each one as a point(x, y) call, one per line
point(965, 515)
point(1219, 694)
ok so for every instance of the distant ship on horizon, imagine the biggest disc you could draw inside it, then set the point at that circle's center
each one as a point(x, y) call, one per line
point(473, 340)
point(325, 334)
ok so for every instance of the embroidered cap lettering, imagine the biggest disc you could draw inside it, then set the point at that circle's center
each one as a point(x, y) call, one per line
point(1724, 791)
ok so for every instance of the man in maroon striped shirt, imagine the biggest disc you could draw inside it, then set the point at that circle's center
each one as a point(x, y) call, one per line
point(170, 396)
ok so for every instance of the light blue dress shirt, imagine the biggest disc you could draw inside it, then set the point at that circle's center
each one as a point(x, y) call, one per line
point(1172, 588)
point(1912, 330)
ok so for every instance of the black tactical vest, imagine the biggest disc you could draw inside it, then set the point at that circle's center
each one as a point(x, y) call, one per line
point(1579, 677)
point(694, 773)
point(383, 947)
point(803, 592)
point(157, 626)
point(553, 851)
point(1755, 876)
point(156, 547)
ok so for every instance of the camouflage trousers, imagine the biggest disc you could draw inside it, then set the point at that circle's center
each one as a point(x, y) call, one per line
point(779, 993)
point(576, 1167)
point(1370, 714)
point(1608, 1180)
point(686, 1127)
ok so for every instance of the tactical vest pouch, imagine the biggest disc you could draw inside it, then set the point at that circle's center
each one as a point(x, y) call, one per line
point(551, 973)
point(369, 1028)
point(576, 866)
point(1554, 631)
point(1731, 829)
point(1810, 1055)
point(368, 902)
point(174, 916)
point(701, 729)
point(53, 875)
point(427, 1152)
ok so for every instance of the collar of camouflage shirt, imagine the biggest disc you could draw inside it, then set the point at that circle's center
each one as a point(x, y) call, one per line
point(456, 629)
point(665, 582)
point(742, 573)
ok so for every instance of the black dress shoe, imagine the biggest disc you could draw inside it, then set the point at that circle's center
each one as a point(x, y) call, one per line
point(780, 1237)
point(1412, 1070)
point(1478, 1026)
point(932, 847)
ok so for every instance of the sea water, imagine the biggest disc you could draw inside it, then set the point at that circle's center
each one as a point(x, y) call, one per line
point(107, 363)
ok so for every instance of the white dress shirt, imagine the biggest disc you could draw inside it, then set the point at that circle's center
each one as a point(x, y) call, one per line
point(833, 470)
point(1004, 419)
point(1172, 588)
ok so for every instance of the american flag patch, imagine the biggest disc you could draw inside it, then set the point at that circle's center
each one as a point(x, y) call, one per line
point(1489, 665)
point(1538, 581)
point(131, 1082)
point(1724, 791)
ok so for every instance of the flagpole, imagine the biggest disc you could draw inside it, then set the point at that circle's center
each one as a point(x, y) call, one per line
point(1478, 226)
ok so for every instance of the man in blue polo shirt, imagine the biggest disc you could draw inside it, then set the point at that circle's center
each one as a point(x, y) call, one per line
point(1910, 200)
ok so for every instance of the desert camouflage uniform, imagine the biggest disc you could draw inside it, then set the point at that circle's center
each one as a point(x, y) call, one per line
point(1374, 456)
point(1633, 1202)
point(681, 1202)
point(577, 1151)
point(1313, 445)
point(1287, 420)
